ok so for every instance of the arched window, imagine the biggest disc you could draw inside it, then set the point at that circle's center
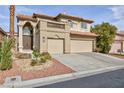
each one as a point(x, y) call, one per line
point(27, 29)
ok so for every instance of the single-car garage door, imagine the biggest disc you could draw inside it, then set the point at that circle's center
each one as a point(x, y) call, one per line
point(116, 46)
point(81, 46)
point(55, 46)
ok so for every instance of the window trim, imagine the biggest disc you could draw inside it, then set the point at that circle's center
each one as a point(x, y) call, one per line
point(71, 24)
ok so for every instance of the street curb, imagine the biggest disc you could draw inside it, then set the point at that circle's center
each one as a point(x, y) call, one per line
point(60, 78)
point(110, 56)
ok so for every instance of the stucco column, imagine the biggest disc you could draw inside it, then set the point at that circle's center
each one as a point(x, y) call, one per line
point(20, 38)
point(94, 45)
point(67, 39)
point(34, 36)
point(43, 36)
point(67, 43)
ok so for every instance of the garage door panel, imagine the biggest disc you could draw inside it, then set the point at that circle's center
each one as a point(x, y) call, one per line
point(81, 46)
point(55, 46)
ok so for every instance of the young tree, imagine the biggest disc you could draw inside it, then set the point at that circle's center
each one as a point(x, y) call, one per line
point(106, 34)
point(6, 54)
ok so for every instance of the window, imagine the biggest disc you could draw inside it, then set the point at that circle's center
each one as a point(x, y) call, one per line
point(55, 25)
point(26, 31)
point(72, 24)
point(84, 25)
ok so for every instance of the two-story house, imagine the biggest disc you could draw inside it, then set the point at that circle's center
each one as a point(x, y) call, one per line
point(118, 44)
point(55, 34)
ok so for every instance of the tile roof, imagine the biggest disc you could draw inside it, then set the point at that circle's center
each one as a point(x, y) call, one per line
point(8, 33)
point(84, 33)
point(3, 31)
point(60, 15)
point(73, 17)
point(26, 17)
point(120, 33)
point(43, 16)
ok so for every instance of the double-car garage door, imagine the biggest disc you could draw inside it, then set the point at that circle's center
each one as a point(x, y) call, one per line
point(56, 46)
point(81, 46)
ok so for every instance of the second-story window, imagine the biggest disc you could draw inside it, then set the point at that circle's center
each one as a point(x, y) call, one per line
point(83, 25)
point(72, 24)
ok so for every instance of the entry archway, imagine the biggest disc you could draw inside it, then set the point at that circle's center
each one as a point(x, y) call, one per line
point(28, 36)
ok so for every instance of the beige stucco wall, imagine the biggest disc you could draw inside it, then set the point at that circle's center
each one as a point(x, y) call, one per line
point(119, 37)
point(37, 39)
point(47, 33)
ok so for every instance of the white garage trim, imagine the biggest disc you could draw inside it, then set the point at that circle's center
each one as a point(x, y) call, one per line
point(55, 46)
point(78, 46)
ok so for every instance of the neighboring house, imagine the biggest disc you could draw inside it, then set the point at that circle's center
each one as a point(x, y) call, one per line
point(2, 35)
point(60, 34)
point(118, 45)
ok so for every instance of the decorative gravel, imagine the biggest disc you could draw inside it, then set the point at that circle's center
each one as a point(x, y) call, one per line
point(49, 69)
point(24, 65)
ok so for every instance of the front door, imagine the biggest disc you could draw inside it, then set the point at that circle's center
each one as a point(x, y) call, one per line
point(27, 42)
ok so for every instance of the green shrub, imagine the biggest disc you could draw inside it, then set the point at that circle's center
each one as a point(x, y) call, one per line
point(38, 58)
point(106, 33)
point(6, 54)
point(43, 59)
point(33, 62)
point(46, 55)
point(35, 54)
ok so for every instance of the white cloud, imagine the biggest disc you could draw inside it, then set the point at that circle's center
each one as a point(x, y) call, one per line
point(119, 24)
point(3, 17)
point(26, 10)
point(118, 12)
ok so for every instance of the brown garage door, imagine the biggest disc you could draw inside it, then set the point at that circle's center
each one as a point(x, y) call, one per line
point(55, 46)
point(81, 46)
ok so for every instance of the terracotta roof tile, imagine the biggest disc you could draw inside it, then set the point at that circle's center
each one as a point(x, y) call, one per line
point(120, 33)
point(43, 16)
point(26, 17)
point(3, 31)
point(83, 33)
point(61, 16)
point(8, 33)
point(73, 17)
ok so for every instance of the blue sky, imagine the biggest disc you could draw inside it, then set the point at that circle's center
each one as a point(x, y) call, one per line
point(101, 13)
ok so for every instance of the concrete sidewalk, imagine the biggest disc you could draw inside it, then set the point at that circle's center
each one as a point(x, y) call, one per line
point(58, 78)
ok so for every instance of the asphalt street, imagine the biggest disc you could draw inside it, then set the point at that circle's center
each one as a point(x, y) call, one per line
point(113, 79)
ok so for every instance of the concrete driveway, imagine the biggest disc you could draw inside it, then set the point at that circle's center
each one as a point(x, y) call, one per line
point(88, 61)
